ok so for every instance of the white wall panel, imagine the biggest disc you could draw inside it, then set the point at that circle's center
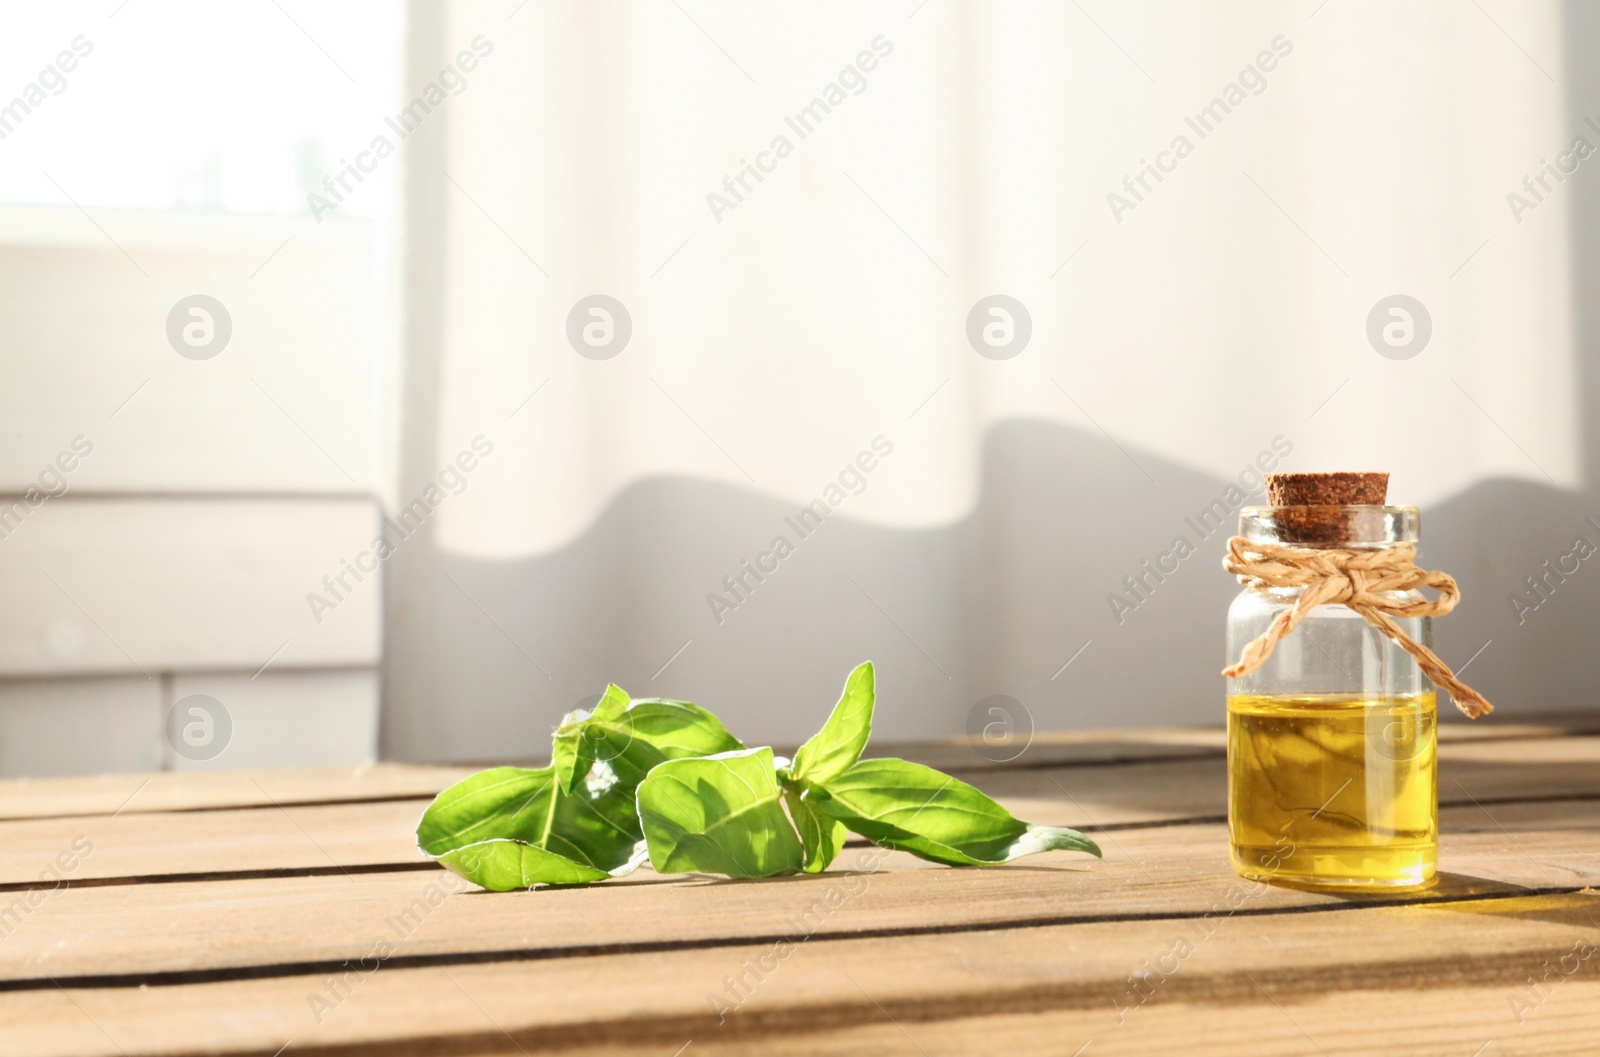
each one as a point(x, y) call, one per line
point(142, 586)
point(79, 726)
point(288, 404)
point(277, 719)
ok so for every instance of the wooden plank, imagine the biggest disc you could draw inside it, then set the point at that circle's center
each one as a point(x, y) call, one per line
point(151, 844)
point(105, 794)
point(1118, 746)
point(322, 838)
point(1444, 1022)
point(1046, 749)
point(1514, 726)
point(1470, 771)
point(133, 931)
point(200, 791)
point(1228, 985)
point(1485, 769)
point(1058, 748)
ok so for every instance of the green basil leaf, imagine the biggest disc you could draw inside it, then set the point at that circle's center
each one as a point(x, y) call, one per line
point(572, 753)
point(596, 824)
point(655, 730)
point(506, 865)
point(500, 802)
point(838, 744)
point(913, 808)
point(718, 814)
point(587, 834)
point(677, 729)
point(633, 740)
point(821, 836)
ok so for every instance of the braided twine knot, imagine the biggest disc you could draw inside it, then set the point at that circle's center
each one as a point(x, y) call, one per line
point(1367, 581)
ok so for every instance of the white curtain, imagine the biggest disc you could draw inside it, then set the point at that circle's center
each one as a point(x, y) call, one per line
point(1180, 329)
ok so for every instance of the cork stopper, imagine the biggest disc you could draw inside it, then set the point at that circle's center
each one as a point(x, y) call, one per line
point(1327, 489)
point(1308, 502)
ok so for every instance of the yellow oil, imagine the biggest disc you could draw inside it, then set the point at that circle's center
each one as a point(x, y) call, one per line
point(1334, 790)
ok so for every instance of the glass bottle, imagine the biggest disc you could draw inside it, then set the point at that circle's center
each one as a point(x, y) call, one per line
point(1332, 742)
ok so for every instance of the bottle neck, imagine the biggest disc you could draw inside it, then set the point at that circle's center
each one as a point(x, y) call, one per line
point(1346, 527)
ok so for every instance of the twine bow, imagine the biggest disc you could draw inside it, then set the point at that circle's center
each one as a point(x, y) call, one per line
point(1365, 581)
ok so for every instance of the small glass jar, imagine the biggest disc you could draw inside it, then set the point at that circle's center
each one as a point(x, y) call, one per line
point(1332, 743)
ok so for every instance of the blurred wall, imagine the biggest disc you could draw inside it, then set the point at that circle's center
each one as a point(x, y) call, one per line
point(1161, 338)
point(742, 343)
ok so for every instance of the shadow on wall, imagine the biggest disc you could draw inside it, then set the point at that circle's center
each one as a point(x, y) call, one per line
point(994, 604)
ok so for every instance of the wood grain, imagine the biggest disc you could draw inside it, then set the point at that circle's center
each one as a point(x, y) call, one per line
point(892, 955)
point(1115, 749)
point(137, 932)
point(1239, 984)
point(324, 837)
point(121, 794)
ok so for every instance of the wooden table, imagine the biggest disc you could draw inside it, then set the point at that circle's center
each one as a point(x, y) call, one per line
point(289, 911)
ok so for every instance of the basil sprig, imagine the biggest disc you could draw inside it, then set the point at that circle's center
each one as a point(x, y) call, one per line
point(663, 779)
point(718, 814)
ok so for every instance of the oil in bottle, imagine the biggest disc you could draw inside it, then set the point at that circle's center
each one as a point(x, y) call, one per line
point(1334, 789)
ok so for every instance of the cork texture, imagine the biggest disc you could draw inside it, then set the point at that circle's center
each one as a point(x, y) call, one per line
point(1305, 502)
point(1327, 489)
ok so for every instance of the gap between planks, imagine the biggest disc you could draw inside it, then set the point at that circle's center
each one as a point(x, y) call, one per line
point(210, 932)
point(835, 999)
point(183, 977)
point(167, 847)
point(175, 793)
point(854, 842)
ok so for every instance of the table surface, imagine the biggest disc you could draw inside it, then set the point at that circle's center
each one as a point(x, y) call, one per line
point(289, 911)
